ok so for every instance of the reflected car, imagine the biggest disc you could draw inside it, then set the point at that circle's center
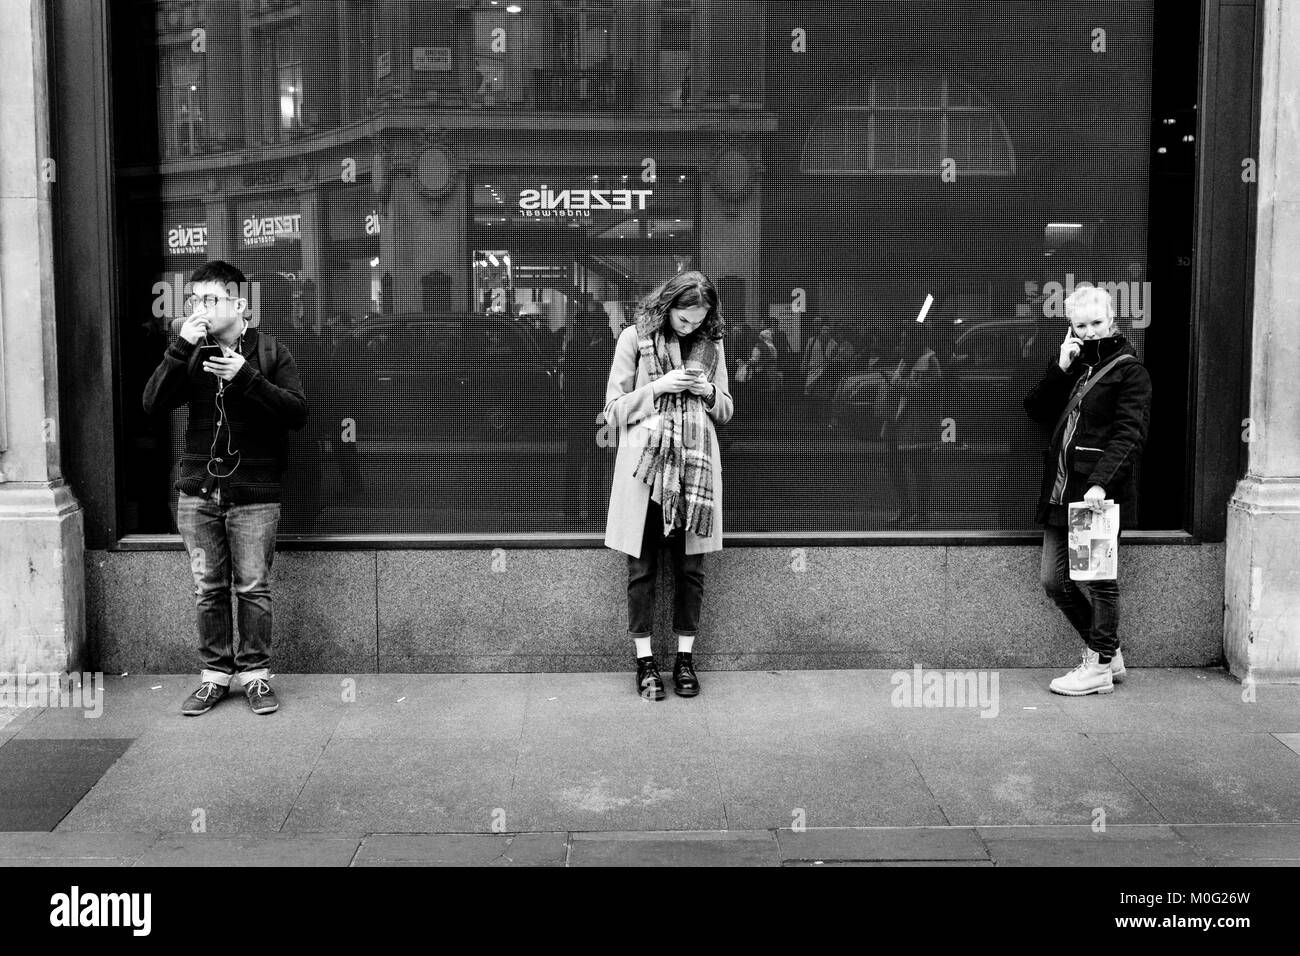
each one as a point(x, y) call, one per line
point(991, 366)
point(463, 375)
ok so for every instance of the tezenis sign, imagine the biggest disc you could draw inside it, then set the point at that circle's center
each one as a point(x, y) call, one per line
point(545, 202)
point(264, 230)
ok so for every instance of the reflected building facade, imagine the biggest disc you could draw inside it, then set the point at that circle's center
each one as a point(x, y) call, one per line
point(424, 192)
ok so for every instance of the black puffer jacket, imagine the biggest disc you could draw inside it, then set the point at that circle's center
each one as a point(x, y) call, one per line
point(1107, 445)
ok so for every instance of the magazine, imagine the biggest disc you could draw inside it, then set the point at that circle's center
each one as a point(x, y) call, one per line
point(1093, 541)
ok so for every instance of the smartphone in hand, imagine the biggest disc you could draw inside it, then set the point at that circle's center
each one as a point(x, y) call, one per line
point(207, 352)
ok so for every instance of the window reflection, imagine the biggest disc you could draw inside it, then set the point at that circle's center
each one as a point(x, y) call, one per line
point(452, 206)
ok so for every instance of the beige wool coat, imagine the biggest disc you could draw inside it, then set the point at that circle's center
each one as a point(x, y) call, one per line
point(630, 417)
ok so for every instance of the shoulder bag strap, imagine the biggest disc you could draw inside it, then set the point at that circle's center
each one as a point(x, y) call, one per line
point(265, 353)
point(1078, 396)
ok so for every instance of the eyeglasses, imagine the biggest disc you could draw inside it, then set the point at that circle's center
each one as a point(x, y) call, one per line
point(209, 302)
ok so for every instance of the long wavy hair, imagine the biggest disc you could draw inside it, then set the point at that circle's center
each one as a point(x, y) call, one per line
point(686, 290)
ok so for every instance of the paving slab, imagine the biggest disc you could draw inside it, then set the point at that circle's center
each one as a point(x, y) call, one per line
point(749, 703)
point(464, 849)
point(1255, 863)
point(1217, 778)
point(925, 863)
point(45, 845)
point(263, 849)
point(1210, 714)
point(616, 780)
point(886, 844)
point(1266, 714)
point(470, 754)
point(1172, 683)
point(166, 779)
point(1028, 779)
point(13, 719)
point(64, 862)
point(685, 848)
point(126, 707)
point(559, 705)
point(1275, 842)
point(449, 706)
point(310, 711)
point(399, 785)
point(1016, 703)
point(1291, 741)
point(830, 781)
point(138, 704)
point(42, 780)
point(1082, 846)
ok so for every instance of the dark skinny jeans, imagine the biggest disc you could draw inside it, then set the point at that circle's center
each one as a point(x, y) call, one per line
point(1091, 607)
point(643, 573)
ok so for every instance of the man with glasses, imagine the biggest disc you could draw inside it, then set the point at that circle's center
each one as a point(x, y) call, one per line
point(241, 406)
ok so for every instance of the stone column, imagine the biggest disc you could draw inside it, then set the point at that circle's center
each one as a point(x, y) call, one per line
point(42, 582)
point(1261, 627)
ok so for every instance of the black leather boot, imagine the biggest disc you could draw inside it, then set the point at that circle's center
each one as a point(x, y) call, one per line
point(684, 680)
point(648, 682)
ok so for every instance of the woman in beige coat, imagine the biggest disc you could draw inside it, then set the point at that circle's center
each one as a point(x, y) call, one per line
point(667, 388)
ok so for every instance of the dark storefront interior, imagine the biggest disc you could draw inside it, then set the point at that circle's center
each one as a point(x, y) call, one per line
point(986, 155)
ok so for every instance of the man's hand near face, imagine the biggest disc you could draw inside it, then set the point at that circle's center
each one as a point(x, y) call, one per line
point(194, 329)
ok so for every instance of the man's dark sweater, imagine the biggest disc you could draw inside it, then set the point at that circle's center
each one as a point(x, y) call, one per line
point(260, 409)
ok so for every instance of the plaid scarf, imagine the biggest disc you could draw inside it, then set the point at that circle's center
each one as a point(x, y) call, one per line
point(677, 460)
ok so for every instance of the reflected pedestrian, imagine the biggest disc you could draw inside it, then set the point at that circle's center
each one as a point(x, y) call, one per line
point(585, 370)
point(913, 423)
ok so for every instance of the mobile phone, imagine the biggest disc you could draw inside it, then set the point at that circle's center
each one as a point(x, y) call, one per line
point(209, 352)
point(697, 372)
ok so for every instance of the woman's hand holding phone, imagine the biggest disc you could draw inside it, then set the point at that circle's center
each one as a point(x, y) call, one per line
point(699, 383)
point(674, 380)
point(1070, 348)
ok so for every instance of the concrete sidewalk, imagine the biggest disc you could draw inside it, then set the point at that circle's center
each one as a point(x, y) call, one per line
point(1177, 767)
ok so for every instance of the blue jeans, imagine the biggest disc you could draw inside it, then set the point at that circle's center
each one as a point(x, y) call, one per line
point(1092, 607)
point(643, 574)
point(231, 542)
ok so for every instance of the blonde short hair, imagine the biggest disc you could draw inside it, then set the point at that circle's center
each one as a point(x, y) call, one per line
point(1086, 294)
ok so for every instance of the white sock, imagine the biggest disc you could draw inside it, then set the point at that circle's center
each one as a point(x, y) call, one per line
point(684, 643)
point(642, 646)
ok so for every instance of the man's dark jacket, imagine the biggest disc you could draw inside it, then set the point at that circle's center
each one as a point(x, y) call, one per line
point(1113, 419)
point(260, 408)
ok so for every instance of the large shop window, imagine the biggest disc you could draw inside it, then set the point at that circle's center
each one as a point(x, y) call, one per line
point(449, 209)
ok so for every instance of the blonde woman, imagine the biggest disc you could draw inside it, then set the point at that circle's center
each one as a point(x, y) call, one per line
point(1096, 398)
